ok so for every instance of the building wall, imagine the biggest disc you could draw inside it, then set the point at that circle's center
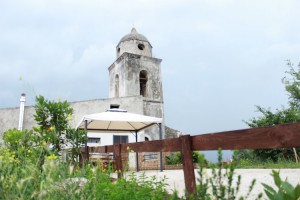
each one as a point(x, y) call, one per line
point(131, 46)
point(128, 68)
point(81, 108)
point(154, 108)
point(9, 117)
point(107, 138)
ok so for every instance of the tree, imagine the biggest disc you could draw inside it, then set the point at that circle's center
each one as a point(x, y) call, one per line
point(280, 116)
point(53, 120)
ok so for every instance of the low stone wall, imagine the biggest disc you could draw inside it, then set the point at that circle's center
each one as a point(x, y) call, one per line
point(150, 165)
point(177, 166)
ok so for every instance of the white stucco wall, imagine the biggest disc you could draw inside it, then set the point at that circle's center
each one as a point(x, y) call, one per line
point(107, 138)
point(9, 117)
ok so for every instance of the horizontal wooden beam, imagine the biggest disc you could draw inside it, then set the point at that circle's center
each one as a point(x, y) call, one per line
point(279, 136)
point(167, 145)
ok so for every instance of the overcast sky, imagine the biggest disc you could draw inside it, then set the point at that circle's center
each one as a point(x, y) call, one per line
point(220, 57)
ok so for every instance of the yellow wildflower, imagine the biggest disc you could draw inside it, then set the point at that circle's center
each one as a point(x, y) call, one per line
point(69, 117)
point(52, 157)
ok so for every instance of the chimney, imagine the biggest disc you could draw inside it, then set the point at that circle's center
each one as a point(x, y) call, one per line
point(21, 116)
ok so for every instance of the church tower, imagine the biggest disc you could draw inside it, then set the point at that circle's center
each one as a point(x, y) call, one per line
point(136, 73)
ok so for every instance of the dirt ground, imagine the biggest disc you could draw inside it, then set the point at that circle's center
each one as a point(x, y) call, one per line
point(175, 179)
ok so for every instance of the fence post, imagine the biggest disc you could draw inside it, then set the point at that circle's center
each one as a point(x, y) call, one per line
point(81, 157)
point(188, 165)
point(80, 160)
point(118, 159)
point(86, 154)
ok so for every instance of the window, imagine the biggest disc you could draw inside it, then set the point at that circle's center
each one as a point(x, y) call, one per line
point(141, 46)
point(117, 86)
point(120, 139)
point(143, 83)
point(94, 140)
point(112, 106)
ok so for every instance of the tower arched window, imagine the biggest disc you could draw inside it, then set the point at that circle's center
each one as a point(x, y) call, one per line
point(117, 86)
point(143, 83)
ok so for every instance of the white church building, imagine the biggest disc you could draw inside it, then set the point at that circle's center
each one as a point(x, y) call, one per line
point(135, 85)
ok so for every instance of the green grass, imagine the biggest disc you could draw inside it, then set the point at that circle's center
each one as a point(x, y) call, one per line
point(268, 164)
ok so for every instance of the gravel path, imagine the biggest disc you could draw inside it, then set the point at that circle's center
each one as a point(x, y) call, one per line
point(175, 179)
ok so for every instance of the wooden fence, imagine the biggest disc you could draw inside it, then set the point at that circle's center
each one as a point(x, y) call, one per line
point(279, 136)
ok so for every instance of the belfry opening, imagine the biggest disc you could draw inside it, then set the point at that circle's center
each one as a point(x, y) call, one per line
point(143, 83)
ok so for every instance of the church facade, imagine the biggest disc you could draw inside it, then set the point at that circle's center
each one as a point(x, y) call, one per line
point(135, 85)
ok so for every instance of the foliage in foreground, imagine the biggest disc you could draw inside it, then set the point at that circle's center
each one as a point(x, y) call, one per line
point(285, 191)
point(53, 119)
point(220, 184)
point(24, 179)
point(30, 170)
point(57, 180)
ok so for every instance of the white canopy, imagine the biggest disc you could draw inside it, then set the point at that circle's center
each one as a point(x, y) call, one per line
point(117, 120)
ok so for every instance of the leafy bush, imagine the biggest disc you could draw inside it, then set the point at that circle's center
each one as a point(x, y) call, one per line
point(58, 180)
point(23, 146)
point(280, 116)
point(53, 120)
point(285, 191)
point(133, 187)
point(176, 158)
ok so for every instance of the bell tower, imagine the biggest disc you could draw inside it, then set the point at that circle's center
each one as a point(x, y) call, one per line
point(136, 73)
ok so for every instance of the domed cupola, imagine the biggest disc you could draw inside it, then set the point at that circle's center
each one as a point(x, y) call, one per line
point(134, 43)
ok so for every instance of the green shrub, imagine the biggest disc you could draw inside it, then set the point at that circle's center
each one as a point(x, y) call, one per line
point(176, 158)
point(53, 119)
point(58, 180)
point(285, 191)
